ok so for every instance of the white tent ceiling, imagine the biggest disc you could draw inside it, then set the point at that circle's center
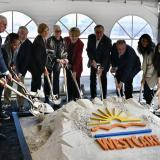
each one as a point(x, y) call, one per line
point(152, 3)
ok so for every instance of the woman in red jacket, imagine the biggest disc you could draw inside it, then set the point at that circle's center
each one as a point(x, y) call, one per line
point(74, 48)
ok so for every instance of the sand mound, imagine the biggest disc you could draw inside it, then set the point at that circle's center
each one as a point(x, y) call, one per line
point(64, 135)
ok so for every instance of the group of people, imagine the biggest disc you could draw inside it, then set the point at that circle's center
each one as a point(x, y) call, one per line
point(44, 56)
point(48, 55)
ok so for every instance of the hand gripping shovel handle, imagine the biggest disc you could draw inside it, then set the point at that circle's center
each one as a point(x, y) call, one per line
point(14, 73)
point(15, 91)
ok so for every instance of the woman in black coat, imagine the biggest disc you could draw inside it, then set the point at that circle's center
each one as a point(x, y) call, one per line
point(38, 57)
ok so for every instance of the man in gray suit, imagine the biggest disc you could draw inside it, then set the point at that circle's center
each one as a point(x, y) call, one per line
point(3, 68)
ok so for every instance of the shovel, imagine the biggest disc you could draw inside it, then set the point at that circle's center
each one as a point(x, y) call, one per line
point(53, 97)
point(65, 82)
point(118, 90)
point(140, 94)
point(75, 81)
point(38, 108)
point(99, 80)
point(153, 107)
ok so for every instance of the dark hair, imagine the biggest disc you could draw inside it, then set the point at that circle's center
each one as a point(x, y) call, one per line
point(98, 26)
point(156, 59)
point(145, 50)
point(11, 38)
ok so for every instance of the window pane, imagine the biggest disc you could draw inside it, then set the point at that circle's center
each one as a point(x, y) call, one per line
point(83, 21)
point(126, 24)
point(145, 30)
point(19, 19)
point(69, 20)
point(118, 32)
point(138, 24)
point(32, 28)
point(88, 31)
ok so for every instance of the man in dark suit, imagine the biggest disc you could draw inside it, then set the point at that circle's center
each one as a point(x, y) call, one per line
point(3, 68)
point(125, 65)
point(23, 59)
point(98, 50)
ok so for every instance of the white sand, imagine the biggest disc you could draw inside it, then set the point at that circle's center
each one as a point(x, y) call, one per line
point(64, 134)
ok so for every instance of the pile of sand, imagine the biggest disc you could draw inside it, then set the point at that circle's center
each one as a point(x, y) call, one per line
point(64, 135)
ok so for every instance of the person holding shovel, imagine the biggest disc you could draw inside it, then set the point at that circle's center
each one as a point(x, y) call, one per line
point(125, 64)
point(56, 57)
point(74, 48)
point(98, 51)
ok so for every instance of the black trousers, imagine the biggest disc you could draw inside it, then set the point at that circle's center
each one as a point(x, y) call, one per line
point(128, 87)
point(73, 93)
point(55, 84)
point(93, 83)
point(36, 81)
point(1, 91)
point(148, 93)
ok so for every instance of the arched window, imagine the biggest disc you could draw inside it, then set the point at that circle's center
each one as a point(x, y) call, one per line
point(16, 19)
point(86, 26)
point(130, 28)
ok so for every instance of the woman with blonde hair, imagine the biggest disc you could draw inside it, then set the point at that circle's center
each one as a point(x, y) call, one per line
point(38, 57)
point(74, 48)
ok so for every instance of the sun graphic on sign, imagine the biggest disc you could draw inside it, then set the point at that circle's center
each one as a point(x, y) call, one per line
point(106, 116)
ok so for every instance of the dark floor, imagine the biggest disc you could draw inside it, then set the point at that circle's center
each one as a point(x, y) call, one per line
point(9, 144)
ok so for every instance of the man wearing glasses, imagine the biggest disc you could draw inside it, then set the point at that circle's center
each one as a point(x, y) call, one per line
point(98, 50)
